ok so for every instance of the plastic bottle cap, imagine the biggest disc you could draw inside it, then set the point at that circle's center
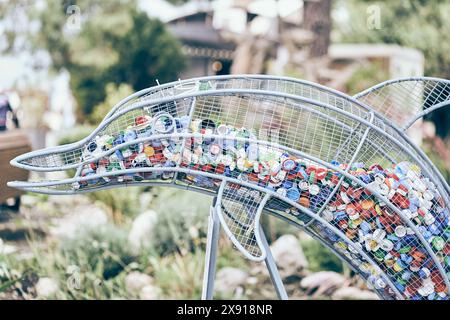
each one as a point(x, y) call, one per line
point(293, 194)
point(314, 189)
point(240, 163)
point(344, 197)
point(282, 192)
point(92, 146)
point(289, 165)
point(303, 185)
point(367, 204)
point(215, 149)
point(400, 231)
point(304, 202)
point(327, 215)
point(438, 243)
point(387, 245)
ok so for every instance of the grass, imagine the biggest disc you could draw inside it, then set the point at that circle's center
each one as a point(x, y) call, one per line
point(93, 263)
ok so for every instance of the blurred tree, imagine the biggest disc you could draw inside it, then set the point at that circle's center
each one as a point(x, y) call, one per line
point(101, 42)
point(178, 2)
point(317, 19)
point(14, 23)
point(116, 44)
point(114, 93)
point(420, 24)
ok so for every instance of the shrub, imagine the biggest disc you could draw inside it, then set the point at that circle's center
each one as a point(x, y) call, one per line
point(320, 258)
point(182, 220)
point(103, 251)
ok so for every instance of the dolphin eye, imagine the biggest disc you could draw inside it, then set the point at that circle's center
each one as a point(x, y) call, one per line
point(92, 146)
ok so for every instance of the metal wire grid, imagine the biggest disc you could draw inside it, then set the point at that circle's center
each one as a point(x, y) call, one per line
point(362, 266)
point(406, 100)
point(115, 133)
point(304, 89)
point(212, 108)
point(281, 85)
point(283, 122)
point(239, 209)
point(320, 93)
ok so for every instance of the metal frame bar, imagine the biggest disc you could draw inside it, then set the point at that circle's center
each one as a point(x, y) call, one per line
point(338, 185)
point(289, 220)
point(332, 249)
point(306, 211)
point(211, 253)
point(256, 223)
point(424, 113)
point(402, 131)
point(354, 100)
point(272, 267)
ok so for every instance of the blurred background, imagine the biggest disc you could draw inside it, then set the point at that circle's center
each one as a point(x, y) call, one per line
point(65, 63)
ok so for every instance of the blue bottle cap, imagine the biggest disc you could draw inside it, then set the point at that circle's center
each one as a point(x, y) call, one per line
point(406, 275)
point(424, 273)
point(365, 227)
point(293, 194)
point(432, 296)
point(435, 229)
point(130, 135)
point(399, 286)
point(340, 215)
point(406, 258)
point(392, 237)
point(119, 140)
point(289, 165)
point(119, 155)
point(287, 184)
point(335, 163)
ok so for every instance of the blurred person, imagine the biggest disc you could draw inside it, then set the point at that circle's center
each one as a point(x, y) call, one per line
point(5, 108)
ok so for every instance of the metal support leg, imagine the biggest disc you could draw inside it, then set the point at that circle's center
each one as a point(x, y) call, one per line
point(273, 270)
point(211, 254)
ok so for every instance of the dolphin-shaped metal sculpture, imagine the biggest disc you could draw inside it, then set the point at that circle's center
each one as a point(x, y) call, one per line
point(341, 168)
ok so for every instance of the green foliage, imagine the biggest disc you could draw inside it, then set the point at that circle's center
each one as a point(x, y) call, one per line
point(145, 53)
point(103, 251)
point(116, 44)
point(114, 93)
point(100, 258)
point(416, 24)
point(365, 77)
point(180, 276)
point(182, 220)
point(320, 258)
point(178, 2)
point(121, 202)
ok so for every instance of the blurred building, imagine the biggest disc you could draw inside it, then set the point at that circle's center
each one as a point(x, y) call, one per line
point(208, 52)
point(214, 33)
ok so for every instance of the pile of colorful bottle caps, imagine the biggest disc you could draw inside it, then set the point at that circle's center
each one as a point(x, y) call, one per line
point(344, 203)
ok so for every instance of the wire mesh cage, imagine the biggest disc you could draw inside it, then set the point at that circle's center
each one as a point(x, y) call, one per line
point(341, 168)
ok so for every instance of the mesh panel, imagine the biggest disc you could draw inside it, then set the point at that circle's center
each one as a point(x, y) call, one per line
point(401, 101)
point(239, 209)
